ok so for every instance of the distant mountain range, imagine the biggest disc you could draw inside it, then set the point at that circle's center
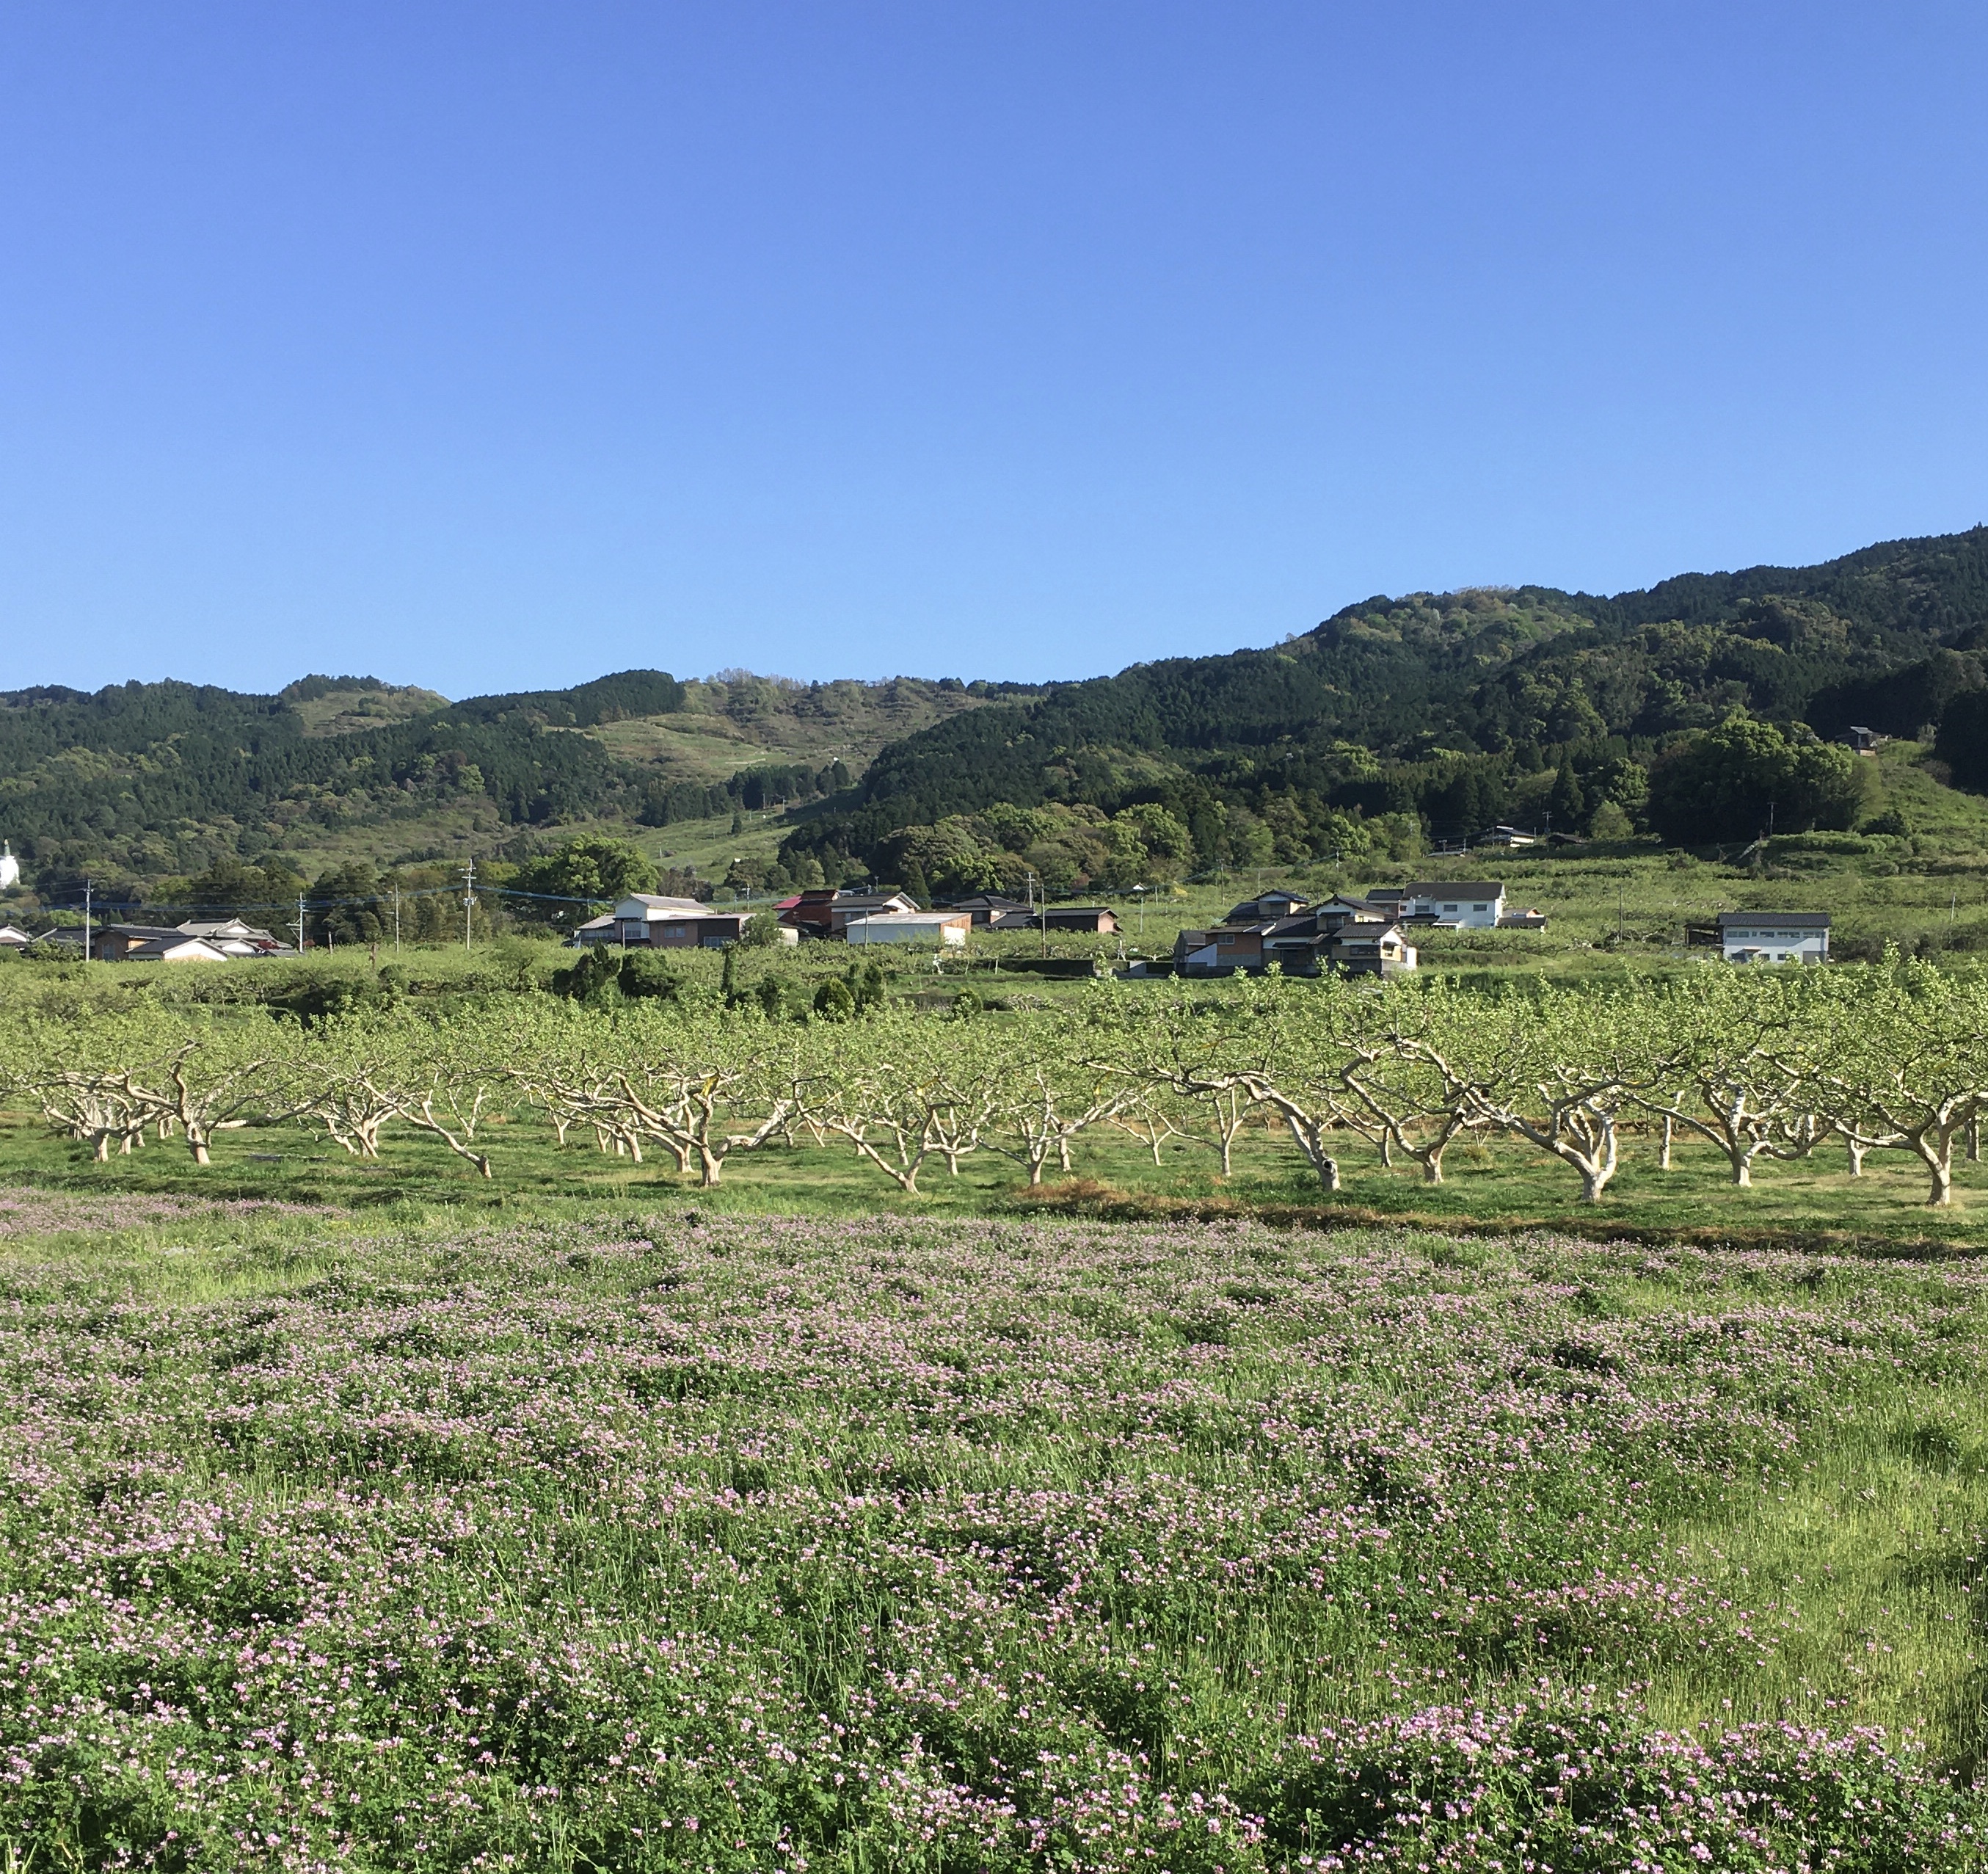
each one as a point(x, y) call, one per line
point(1448, 707)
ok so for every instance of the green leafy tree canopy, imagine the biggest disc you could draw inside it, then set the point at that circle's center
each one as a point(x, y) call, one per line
point(1738, 780)
point(592, 866)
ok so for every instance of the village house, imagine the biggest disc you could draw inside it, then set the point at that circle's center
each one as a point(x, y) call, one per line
point(699, 930)
point(644, 922)
point(984, 908)
point(1098, 919)
point(629, 922)
point(824, 913)
point(1275, 904)
point(200, 940)
point(1774, 936)
point(234, 937)
point(176, 949)
point(151, 943)
point(1346, 935)
point(946, 930)
point(1364, 950)
point(1474, 904)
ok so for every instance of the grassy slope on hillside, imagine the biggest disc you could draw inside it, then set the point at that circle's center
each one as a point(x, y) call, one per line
point(741, 720)
point(352, 712)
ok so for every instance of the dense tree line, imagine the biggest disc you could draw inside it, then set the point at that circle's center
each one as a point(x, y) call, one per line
point(1762, 1067)
point(606, 699)
point(532, 776)
point(769, 784)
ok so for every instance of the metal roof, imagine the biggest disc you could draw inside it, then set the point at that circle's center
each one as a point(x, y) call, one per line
point(1796, 920)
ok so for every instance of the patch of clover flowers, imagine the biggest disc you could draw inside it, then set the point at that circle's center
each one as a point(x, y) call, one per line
point(876, 1543)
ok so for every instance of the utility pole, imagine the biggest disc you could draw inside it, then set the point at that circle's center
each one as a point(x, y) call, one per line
point(397, 920)
point(1619, 911)
point(300, 924)
point(468, 898)
point(87, 883)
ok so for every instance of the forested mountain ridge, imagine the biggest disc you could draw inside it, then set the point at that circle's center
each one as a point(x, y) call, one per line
point(1394, 719)
point(1449, 706)
point(142, 780)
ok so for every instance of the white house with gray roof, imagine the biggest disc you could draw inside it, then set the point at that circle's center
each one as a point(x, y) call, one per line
point(1774, 936)
point(1469, 903)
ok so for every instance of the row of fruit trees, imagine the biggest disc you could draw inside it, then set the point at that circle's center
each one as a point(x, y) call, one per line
point(1762, 1067)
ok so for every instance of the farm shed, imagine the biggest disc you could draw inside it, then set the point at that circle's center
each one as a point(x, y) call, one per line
point(938, 927)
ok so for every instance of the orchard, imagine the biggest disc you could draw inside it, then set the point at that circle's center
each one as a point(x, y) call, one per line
point(1762, 1068)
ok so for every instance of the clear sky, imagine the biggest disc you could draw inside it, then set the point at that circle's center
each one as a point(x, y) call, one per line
point(488, 345)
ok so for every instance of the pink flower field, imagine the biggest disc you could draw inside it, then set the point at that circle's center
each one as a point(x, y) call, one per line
point(789, 1544)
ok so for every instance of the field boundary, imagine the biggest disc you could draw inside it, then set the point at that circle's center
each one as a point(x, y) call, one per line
point(1094, 1198)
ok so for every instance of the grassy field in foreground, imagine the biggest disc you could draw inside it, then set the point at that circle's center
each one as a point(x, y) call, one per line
point(1492, 1185)
point(639, 1542)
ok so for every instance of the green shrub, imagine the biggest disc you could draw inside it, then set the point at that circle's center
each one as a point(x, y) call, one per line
point(650, 973)
point(596, 973)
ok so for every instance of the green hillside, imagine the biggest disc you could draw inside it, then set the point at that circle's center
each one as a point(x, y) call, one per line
point(140, 783)
point(1439, 714)
point(1704, 711)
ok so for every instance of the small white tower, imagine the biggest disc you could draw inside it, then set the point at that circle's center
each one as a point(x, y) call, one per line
point(10, 866)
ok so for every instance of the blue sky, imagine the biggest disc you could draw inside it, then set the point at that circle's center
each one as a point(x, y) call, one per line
point(490, 345)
